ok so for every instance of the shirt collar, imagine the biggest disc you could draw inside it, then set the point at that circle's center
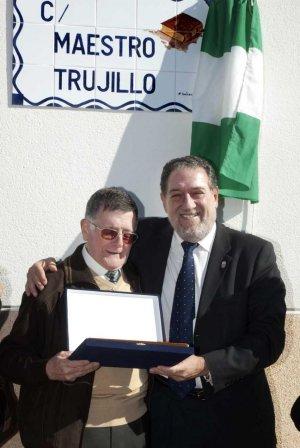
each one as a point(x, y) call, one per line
point(206, 243)
point(92, 263)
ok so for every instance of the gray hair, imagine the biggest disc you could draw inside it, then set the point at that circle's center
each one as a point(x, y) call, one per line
point(113, 199)
point(187, 162)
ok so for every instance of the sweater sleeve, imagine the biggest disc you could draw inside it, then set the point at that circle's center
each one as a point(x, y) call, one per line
point(22, 352)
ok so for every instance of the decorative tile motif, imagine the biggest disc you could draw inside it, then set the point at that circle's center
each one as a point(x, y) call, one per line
point(115, 89)
point(106, 54)
point(148, 83)
point(72, 85)
point(34, 11)
point(42, 78)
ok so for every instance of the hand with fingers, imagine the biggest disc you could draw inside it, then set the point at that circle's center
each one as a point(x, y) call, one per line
point(188, 369)
point(60, 368)
point(36, 278)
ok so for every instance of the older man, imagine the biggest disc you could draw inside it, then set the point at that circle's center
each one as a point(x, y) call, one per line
point(60, 397)
point(221, 291)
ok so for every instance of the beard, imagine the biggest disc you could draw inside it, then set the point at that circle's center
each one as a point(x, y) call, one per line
point(196, 231)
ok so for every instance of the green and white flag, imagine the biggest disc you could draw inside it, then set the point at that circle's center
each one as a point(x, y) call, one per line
point(227, 100)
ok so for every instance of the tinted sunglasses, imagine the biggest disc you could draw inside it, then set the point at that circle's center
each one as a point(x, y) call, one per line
point(111, 234)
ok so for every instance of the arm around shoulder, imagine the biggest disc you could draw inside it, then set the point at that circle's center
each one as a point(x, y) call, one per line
point(36, 275)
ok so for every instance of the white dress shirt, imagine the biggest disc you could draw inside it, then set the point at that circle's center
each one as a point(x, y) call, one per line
point(201, 256)
point(93, 264)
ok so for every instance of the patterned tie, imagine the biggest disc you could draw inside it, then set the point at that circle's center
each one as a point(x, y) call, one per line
point(183, 311)
point(113, 276)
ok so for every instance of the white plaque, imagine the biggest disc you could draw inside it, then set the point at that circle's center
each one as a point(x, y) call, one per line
point(111, 315)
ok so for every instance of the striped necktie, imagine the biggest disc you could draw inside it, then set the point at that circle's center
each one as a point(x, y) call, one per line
point(113, 276)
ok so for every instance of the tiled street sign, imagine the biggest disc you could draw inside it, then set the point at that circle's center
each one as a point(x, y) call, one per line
point(106, 54)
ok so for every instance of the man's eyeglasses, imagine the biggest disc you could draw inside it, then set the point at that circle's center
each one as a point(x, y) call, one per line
point(111, 234)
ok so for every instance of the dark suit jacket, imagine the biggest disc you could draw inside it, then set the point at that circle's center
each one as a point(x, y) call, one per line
point(295, 413)
point(240, 321)
point(8, 410)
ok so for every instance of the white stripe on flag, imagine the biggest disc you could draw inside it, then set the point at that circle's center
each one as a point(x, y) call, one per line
point(227, 85)
point(251, 101)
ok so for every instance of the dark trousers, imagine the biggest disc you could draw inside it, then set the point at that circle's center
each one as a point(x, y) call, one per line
point(227, 419)
point(132, 435)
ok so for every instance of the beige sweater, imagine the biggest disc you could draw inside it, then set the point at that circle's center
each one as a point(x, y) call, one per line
point(118, 394)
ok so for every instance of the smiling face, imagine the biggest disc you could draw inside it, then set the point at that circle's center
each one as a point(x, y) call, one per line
point(190, 203)
point(111, 254)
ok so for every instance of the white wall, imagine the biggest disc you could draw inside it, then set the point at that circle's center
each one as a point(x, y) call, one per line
point(51, 161)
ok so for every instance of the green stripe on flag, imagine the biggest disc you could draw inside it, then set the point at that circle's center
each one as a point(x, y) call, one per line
point(232, 150)
point(230, 23)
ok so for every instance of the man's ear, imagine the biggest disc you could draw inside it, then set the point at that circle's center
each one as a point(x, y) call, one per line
point(85, 228)
point(163, 200)
point(216, 195)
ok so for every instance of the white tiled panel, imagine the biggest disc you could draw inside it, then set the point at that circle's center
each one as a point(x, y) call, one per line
point(195, 8)
point(109, 42)
point(150, 13)
point(187, 61)
point(35, 43)
point(35, 11)
point(116, 13)
point(75, 86)
point(76, 12)
point(74, 46)
point(162, 59)
point(36, 83)
point(184, 88)
point(160, 88)
point(116, 48)
point(115, 87)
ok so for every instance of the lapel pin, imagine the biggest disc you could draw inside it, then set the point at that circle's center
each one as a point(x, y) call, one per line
point(223, 264)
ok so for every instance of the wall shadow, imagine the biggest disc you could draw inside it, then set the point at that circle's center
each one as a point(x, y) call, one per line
point(151, 132)
point(147, 144)
point(148, 141)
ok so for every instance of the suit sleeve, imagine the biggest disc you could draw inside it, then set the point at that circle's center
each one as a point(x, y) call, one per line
point(20, 352)
point(263, 341)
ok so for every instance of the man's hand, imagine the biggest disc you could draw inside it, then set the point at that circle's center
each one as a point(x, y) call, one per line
point(60, 368)
point(36, 278)
point(187, 369)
